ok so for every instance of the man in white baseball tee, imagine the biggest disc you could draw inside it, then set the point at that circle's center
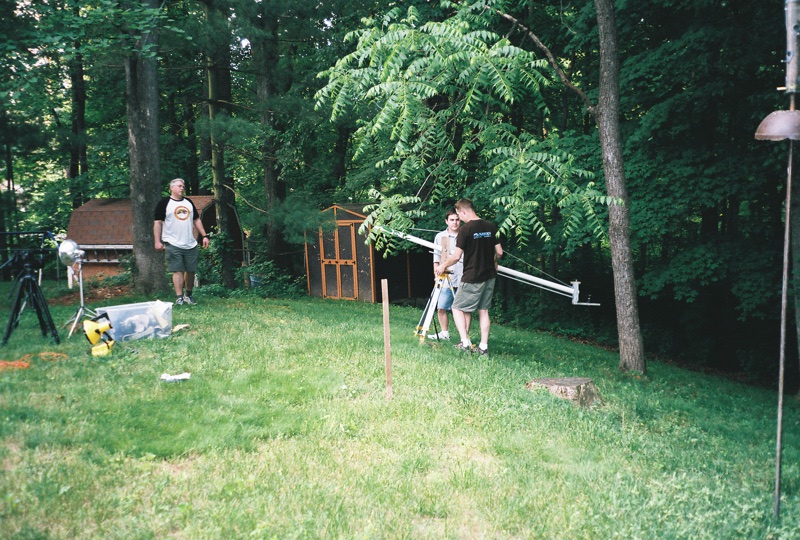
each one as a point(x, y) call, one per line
point(176, 218)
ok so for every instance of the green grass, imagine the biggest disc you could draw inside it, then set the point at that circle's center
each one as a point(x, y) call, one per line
point(284, 431)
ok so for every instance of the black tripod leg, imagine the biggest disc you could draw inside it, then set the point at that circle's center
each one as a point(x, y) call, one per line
point(13, 320)
point(42, 312)
point(50, 324)
point(34, 300)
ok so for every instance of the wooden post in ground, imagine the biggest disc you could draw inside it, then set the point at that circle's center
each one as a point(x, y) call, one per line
point(387, 347)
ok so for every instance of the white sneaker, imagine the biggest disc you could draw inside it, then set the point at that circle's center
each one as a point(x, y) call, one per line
point(440, 335)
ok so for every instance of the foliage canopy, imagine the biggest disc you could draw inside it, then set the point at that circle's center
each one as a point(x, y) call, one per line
point(440, 107)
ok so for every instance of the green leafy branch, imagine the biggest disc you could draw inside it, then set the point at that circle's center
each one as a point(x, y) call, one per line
point(388, 213)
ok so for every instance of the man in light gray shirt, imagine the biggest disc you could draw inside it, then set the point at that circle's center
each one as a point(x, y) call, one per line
point(447, 240)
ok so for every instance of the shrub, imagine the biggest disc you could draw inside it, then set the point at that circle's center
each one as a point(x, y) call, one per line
point(267, 280)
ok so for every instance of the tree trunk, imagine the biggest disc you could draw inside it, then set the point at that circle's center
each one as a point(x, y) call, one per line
point(606, 116)
point(340, 153)
point(219, 92)
point(78, 162)
point(193, 169)
point(265, 56)
point(631, 347)
point(5, 272)
point(141, 99)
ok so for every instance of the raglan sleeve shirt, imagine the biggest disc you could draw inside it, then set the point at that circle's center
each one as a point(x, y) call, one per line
point(178, 218)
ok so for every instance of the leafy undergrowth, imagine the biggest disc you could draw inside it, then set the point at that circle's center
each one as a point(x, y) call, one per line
point(284, 430)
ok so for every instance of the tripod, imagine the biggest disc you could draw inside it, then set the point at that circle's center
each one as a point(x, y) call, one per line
point(28, 291)
point(82, 310)
point(442, 280)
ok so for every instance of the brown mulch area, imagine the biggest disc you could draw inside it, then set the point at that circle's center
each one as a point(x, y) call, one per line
point(90, 295)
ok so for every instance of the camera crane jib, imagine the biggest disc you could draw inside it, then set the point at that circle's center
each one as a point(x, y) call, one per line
point(558, 288)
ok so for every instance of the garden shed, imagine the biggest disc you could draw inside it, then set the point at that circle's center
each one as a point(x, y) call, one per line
point(103, 228)
point(340, 265)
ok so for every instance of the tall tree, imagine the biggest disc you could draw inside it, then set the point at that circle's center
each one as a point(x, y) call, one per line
point(141, 98)
point(218, 67)
point(631, 346)
point(79, 162)
point(14, 31)
point(704, 206)
point(606, 114)
point(286, 37)
point(266, 56)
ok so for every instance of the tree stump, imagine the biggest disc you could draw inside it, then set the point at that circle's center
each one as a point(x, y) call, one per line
point(579, 390)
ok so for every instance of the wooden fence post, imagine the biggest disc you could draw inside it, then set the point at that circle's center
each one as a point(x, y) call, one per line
point(387, 347)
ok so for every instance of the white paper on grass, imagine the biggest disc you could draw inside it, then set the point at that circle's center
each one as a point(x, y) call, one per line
point(175, 378)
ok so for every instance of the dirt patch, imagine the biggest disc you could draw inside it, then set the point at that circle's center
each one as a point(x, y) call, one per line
point(91, 295)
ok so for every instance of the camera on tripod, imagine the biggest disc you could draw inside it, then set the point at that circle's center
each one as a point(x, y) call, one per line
point(26, 292)
point(27, 259)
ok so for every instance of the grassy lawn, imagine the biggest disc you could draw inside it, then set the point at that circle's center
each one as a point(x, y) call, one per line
point(284, 431)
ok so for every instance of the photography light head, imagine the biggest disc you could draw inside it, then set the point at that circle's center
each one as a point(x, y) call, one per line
point(69, 252)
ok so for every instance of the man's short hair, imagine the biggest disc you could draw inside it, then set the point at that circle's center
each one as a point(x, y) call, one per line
point(176, 180)
point(450, 212)
point(464, 204)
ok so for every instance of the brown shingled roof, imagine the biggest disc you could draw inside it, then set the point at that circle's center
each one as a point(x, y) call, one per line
point(108, 221)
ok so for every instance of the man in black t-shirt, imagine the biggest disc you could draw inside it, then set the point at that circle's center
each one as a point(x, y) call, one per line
point(478, 243)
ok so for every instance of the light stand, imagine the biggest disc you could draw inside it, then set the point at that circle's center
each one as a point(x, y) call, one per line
point(70, 254)
point(779, 126)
